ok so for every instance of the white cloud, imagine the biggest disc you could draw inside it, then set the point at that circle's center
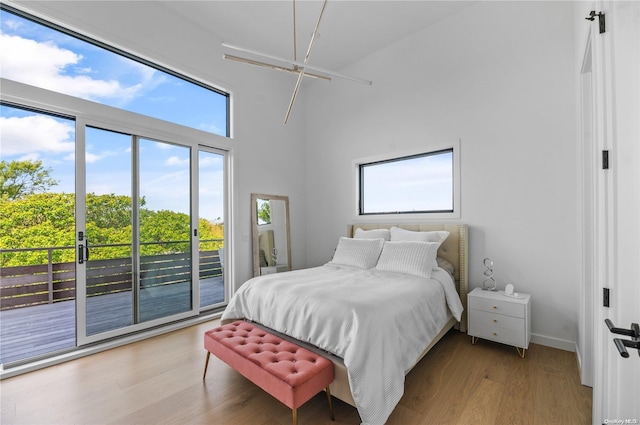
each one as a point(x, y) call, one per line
point(174, 160)
point(36, 133)
point(43, 65)
point(164, 146)
point(90, 158)
point(33, 156)
point(210, 160)
point(211, 128)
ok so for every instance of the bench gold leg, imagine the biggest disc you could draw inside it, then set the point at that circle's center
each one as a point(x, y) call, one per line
point(206, 364)
point(295, 416)
point(330, 404)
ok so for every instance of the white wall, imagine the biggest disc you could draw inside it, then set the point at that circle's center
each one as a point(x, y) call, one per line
point(500, 77)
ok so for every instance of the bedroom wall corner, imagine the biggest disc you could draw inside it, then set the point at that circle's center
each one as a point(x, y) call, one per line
point(494, 78)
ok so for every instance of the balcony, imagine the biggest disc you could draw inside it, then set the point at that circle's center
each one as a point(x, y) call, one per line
point(38, 309)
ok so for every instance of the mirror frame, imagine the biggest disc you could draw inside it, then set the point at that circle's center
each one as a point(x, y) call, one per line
point(254, 227)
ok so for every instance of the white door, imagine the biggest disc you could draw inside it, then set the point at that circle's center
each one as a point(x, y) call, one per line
point(617, 123)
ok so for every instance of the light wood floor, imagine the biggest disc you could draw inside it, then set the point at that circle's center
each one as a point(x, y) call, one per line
point(159, 381)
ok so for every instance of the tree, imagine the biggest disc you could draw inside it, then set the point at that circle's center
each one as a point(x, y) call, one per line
point(264, 212)
point(31, 216)
point(21, 178)
point(37, 221)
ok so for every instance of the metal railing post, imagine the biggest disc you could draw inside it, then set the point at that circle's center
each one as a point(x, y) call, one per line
point(50, 274)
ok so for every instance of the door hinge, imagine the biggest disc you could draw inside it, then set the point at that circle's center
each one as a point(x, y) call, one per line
point(601, 20)
point(605, 160)
point(605, 297)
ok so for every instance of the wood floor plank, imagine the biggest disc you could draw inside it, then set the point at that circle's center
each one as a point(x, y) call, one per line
point(159, 381)
point(483, 405)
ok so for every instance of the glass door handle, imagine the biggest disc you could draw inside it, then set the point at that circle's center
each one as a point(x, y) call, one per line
point(83, 252)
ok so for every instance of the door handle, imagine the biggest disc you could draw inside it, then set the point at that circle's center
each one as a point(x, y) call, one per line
point(80, 254)
point(86, 247)
point(622, 344)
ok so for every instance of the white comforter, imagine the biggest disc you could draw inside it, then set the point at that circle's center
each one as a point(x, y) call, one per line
point(378, 322)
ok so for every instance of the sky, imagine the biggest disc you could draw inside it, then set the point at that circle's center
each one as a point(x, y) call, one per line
point(36, 55)
point(415, 184)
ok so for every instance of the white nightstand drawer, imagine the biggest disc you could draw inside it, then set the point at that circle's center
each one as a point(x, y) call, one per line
point(493, 333)
point(495, 317)
point(499, 320)
point(497, 306)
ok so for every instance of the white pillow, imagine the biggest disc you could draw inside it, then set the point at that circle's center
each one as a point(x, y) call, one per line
point(408, 257)
point(398, 234)
point(372, 234)
point(446, 265)
point(363, 253)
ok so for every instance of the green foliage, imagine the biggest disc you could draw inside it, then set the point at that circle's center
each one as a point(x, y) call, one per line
point(47, 220)
point(22, 178)
point(37, 221)
point(264, 212)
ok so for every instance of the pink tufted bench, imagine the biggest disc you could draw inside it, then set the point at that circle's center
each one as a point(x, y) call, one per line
point(288, 372)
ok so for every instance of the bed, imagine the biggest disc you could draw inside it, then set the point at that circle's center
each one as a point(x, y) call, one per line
point(374, 323)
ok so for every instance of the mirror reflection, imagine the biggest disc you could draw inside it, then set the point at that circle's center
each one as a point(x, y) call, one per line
point(271, 240)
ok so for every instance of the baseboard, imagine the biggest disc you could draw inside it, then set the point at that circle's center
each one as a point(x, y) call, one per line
point(578, 358)
point(561, 344)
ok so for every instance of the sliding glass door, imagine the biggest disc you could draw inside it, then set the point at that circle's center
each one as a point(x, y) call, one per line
point(106, 231)
point(37, 225)
point(99, 191)
point(105, 242)
point(211, 225)
point(165, 255)
point(135, 249)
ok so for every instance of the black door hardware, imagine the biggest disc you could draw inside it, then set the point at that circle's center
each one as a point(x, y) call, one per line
point(600, 15)
point(80, 254)
point(621, 344)
point(83, 251)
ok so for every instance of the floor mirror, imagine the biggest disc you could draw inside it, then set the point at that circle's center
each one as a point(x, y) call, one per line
point(271, 236)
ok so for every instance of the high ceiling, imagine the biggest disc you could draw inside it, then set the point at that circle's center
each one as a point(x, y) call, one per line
point(349, 31)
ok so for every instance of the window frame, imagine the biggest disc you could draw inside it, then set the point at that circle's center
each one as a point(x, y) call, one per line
point(430, 149)
point(48, 22)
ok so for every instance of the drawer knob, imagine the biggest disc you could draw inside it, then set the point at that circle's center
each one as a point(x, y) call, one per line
point(495, 334)
point(495, 320)
point(495, 307)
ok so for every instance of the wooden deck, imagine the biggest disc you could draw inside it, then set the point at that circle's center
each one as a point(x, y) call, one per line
point(37, 330)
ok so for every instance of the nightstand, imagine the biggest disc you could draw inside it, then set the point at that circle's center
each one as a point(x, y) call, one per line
point(497, 317)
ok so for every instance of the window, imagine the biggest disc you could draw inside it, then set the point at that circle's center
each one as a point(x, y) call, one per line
point(109, 199)
point(422, 183)
point(41, 54)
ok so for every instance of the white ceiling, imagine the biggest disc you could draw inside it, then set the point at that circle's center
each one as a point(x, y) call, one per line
point(349, 30)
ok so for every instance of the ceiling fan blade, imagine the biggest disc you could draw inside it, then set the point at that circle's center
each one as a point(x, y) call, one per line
point(306, 59)
point(273, 66)
point(299, 64)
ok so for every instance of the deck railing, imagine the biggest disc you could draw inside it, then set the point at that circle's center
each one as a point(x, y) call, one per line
point(23, 286)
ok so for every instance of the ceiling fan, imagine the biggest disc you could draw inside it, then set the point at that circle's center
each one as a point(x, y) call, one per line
point(296, 67)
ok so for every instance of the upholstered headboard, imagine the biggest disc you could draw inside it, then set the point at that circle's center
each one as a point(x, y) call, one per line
point(453, 249)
